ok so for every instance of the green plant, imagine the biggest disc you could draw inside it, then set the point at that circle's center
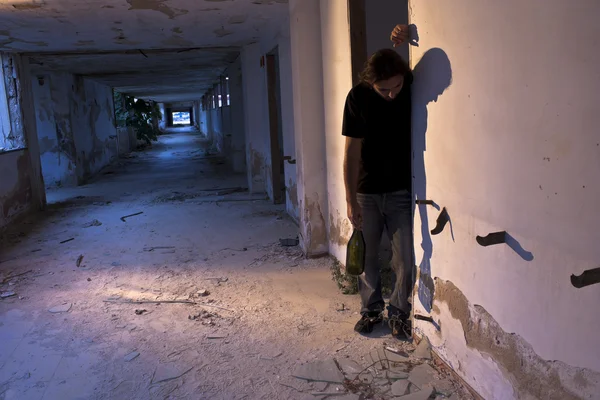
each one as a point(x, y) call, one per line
point(138, 114)
point(348, 284)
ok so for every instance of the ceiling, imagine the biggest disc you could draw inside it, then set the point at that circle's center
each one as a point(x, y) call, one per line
point(167, 50)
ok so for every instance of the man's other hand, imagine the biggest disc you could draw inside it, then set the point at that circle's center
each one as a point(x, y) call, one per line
point(399, 35)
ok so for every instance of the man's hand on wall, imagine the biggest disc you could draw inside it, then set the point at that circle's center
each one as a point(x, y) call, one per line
point(399, 35)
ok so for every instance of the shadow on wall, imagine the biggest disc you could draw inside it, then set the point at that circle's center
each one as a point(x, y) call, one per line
point(432, 76)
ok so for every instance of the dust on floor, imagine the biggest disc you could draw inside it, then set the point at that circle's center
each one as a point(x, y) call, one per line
point(162, 280)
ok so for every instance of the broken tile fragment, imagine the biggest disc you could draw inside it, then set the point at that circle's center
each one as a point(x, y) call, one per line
point(444, 387)
point(421, 375)
point(400, 387)
point(350, 368)
point(423, 350)
point(60, 309)
point(425, 393)
point(7, 294)
point(395, 358)
point(395, 374)
point(131, 356)
point(320, 386)
point(319, 371)
point(379, 359)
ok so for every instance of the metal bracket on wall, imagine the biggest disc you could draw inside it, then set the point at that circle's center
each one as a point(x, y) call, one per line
point(289, 159)
point(587, 278)
point(441, 222)
point(427, 319)
point(492, 239)
point(425, 202)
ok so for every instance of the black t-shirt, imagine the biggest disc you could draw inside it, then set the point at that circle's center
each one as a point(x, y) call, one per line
point(384, 127)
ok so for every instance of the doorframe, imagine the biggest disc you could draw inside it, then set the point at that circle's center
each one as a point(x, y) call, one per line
point(274, 99)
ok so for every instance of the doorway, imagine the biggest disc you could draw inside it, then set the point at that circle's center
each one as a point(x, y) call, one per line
point(275, 126)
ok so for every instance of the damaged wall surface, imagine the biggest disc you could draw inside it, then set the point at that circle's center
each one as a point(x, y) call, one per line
point(337, 81)
point(15, 185)
point(256, 110)
point(21, 183)
point(75, 124)
point(509, 146)
point(309, 133)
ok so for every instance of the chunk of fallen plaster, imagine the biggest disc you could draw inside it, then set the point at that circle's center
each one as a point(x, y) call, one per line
point(7, 294)
point(131, 356)
point(60, 309)
point(396, 373)
point(350, 367)
point(444, 386)
point(319, 371)
point(426, 392)
point(423, 350)
point(399, 388)
point(394, 357)
point(422, 375)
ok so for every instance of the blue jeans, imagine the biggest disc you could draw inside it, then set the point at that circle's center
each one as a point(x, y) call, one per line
point(392, 212)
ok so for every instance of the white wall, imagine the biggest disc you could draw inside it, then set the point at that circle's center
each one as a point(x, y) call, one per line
point(337, 82)
point(236, 96)
point(309, 133)
point(255, 117)
point(256, 121)
point(511, 144)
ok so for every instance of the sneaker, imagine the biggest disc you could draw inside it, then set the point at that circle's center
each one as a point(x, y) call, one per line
point(368, 321)
point(400, 324)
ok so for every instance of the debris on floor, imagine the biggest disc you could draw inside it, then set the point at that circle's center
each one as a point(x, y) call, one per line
point(289, 242)
point(140, 312)
point(206, 317)
point(203, 293)
point(93, 222)
point(60, 308)
point(79, 260)
point(131, 356)
point(124, 218)
point(4, 295)
point(384, 374)
point(423, 349)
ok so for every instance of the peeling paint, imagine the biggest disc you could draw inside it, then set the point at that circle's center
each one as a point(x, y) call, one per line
point(16, 138)
point(340, 228)
point(156, 5)
point(15, 200)
point(293, 193)
point(257, 162)
point(531, 376)
point(315, 230)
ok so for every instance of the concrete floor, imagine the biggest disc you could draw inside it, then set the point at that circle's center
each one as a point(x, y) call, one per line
point(272, 310)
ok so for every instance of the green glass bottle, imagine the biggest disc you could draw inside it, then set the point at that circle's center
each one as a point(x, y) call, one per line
point(355, 254)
